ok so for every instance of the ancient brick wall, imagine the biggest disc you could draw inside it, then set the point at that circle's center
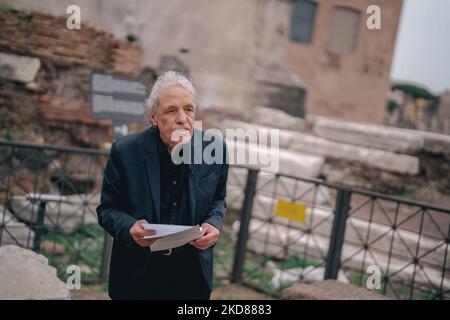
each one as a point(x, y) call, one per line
point(47, 37)
point(55, 107)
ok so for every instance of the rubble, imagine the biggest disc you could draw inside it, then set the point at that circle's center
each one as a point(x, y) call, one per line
point(277, 119)
point(25, 275)
point(329, 290)
point(18, 68)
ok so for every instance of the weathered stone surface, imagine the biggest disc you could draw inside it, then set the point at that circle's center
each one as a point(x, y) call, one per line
point(367, 135)
point(379, 137)
point(308, 274)
point(315, 145)
point(277, 118)
point(60, 90)
point(12, 231)
point(380, 159)
point(268, 187)
point(47, 37)
point(18, 68)
point(394, 162)
point(329, 290)
point(436, 143)
point(26, 275)
point(251, 131)
point(64, 216)
point(334, 174)
point(291, 189)
point(387, 161)
point(281, 89)
point(284, 161)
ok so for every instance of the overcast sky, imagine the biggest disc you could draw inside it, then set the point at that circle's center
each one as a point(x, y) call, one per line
point(422, 53)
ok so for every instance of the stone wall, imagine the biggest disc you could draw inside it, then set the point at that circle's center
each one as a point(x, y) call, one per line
point(47, 37)
point(227, 44)
point(54, 106)
point(222, 43)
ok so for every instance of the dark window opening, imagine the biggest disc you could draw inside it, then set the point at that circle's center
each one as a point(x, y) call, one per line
point(302, 21)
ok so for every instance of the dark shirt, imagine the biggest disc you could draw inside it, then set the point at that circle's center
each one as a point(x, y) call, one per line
point(174, 204)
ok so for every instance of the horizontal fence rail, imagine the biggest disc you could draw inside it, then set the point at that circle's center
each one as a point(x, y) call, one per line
point(48, 200)
point(341, 233)
point(279, 229)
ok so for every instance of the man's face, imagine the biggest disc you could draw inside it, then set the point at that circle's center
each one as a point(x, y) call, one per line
point(174, 116)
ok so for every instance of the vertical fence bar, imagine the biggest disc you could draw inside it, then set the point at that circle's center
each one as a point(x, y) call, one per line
point(441, 295)
point(39, 228)
point(239, 255)
point(7, 161)
point(106, 256)
point(333, 263)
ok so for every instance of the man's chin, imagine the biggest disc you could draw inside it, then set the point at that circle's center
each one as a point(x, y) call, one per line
point(185, 140)
point(183, 136)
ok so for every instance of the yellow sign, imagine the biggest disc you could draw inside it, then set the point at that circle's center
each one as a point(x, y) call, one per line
point(290, 210)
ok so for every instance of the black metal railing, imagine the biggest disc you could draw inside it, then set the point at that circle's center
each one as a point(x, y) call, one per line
point(48, 197)
point(348, 234)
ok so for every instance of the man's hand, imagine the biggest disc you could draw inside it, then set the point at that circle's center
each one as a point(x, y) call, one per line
point(209, 238)
point(137, 232)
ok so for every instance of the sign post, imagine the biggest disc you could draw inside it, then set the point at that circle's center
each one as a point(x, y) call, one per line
point(119, 99)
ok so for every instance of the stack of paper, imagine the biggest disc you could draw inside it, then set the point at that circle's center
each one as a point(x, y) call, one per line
point(172, 236)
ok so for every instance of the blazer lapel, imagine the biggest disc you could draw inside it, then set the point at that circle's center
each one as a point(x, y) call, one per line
point(191, 195)
point(196, 145)
point(153, 172)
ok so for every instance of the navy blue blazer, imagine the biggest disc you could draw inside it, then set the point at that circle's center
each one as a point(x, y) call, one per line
point(131, 192)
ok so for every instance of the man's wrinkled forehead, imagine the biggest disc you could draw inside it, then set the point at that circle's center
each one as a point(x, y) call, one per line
point(175, 95)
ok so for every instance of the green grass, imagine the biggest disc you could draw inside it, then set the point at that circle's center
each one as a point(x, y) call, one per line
point(82, 246)
point(103, 287)
point(298, 262)
point(358, 279)
point(253, 270)
point(223, 259)
point(408, 192)
point(7, 9)
point(401, 290)
point(255, 273)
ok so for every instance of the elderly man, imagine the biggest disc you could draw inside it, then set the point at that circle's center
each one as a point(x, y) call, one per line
point(143, 185)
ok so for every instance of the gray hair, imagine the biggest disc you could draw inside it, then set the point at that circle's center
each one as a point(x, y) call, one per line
point(169, 79)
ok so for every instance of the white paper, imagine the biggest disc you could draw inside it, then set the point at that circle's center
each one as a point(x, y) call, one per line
point(162, 230)
point(172, 236)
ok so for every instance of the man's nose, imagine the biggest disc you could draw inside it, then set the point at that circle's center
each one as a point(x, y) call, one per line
point(181, 117)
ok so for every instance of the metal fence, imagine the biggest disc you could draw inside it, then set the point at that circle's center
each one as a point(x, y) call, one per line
point(346, 233)
point(48, 197)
